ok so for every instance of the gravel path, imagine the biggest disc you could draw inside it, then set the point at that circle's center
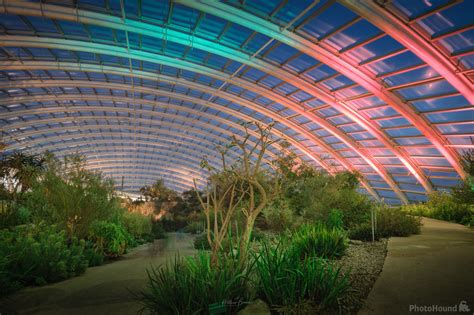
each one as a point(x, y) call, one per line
point(364, 262)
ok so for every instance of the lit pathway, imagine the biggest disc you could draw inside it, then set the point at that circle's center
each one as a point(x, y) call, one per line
point(433, 268)
point(101, 290)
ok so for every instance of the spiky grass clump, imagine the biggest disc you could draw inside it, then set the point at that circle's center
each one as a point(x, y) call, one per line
point(287, 282)
point(319, 241)
point(190, 286)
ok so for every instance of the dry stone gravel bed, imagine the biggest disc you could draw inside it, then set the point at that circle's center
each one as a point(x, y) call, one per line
point(364, 262)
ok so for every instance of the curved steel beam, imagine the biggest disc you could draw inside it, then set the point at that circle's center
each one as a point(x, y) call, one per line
point(408, 37)
point(171, 153)
point(136, 182)
point(288, 123)
point(378, 167)
point(214, 154)
point(13, 100)
point(124, 155)
point(146, 180)
point(323, 53)
point(191, 152)
point(329, 99)
point(132, 169)
point(86, 130)
point(152, 176)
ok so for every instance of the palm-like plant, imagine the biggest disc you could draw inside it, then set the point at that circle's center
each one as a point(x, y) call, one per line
point(19, 171)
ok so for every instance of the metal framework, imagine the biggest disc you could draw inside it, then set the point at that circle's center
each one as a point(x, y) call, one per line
point(146, 91)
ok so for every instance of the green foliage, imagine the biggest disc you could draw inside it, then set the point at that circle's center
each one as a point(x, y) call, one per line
point(285, 281)
point(278, 215)
point(158, 191)
point(13, 214)
point(94, 255)
point(173, 224)
point(445, 206)
point(38, 254)
point(313, 197)
point(390, 222)
point(201, 242)
point(110, 238)
point(72, 197)
point(138, 226)
point(417, 209)
point(18, 172)
point(158, 230)
point(318, 241)
point(190, 286)
point(335, 219)
point(362, 232)
point(195, 227)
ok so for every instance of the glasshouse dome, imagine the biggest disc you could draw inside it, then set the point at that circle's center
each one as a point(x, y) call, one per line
point(333, 136)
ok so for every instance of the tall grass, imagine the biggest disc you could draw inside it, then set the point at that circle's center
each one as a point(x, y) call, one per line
point(319, 241)
point(190, 286)
point(286, 281)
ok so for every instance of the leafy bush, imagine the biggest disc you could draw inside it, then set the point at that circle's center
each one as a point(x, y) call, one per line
point(363, 232)
point(72, 197)
point(417, 209)
point(12, 214)
point(335, 219)
point(94, 255)
point(201, 242)
point(278, 216)
point(38, 254)
point(191, 286)
point(173, 224)
point(318, 241)
point(108, 238)
point(285, 281)
point(445, 207)
point(195, 227)
point(138, 225)
point(158, 230)
point(389, 222)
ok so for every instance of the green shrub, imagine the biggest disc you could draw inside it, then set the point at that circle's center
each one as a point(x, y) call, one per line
point(173, 224)
point(417, 209)
point(314, 196)
point(318, 241)
point(335, 219)
point(201, 242)
point(285, 281)
point(190, 286)
point(72, 197)
point(158, 230)
point(278, 216)
point(94, 255)
point(109, 238)
point(393, 222)
point(389, 222)
point(13, 214)
point(38, 254)
point(138, 226)
point(363, 232)
point(445, 207)
point(195, 227)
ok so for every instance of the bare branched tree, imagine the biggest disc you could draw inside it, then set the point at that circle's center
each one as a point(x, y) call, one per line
point(230, 185)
